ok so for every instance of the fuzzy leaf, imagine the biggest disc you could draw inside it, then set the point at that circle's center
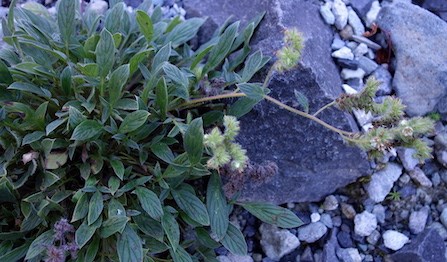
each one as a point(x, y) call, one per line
point(302, 100)
point(85, 232)
point(192, 206)
point(113, 18)
point(32, 137)
point(252, 65)
point(65, 77)
point(253, 91)
point(242, 106)
point(5, 75)
point(162, 55)
point(184, 31)
point(217, 206)
point(81, 208)
point(234, 241)
point(113, 225)
point(66, 19)
point(171, 228)
point(193, 141)
point(86, 130)
point(118, 168)
point(178, 77)
point(40, 244)
point(53, 125)
point(180, 255)
point(117, 80)
point(271, 214)
point(30, 88)
point(145, 25)
point(105, 53)
point(161, 97)
point(133, 121)
point(149, 202)
point(95, 207)
point(129, 246)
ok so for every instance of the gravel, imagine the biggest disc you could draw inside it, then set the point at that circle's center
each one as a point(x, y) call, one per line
point(394, 240)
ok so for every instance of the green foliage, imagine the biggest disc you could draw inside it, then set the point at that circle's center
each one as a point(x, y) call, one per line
point(94, 129)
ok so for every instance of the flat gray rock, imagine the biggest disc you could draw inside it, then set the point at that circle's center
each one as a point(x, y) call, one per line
point(313, 162)
point(419, 42)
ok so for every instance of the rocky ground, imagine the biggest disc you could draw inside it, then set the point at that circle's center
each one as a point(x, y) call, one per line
point(399, 211)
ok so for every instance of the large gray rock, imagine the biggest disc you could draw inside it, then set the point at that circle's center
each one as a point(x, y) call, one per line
point(313, 162)
point(419, 42)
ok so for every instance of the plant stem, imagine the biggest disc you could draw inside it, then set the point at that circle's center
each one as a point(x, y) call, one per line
point(324, 107)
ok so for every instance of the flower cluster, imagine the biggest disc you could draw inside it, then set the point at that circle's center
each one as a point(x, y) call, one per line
point(224, 149)
point(289, 55)
point(63, 242)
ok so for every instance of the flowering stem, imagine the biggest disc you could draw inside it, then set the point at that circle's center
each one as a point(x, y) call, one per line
point(324, 108)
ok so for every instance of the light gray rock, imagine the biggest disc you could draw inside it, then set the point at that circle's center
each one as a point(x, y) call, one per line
point(366, 41)
point(348, 210)
point(365, 223)
point(420, 79)
point(351, 74)
point(367, 65)
point(418, 219)
point(330, 203)
point(441, 156)
point(384, 77)
point(443, 217)
point(436, 179)
point(441, 229)
point(406, 156)
point(234, 258)
point(355, 22)
point(382, 182)
point(350, 91)
point(379, 212)
point(420, 178)
point(374, 237)
point(343, 53)
point(394, 240)
point(315, 217)
point(341, 14)
point(326, 13)
point(312, 232)
point(337, 43)
point(361, 6)
point(372, 13)
point(349, 255)
point(427, 246)
point(360, 50)
point(277, 242)
point(327, 220)
point(330, 247)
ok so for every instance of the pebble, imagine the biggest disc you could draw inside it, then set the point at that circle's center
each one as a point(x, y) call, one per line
point(442, 231)
point(349, 90)
point(347, 33)
point(372, 13)
point(343, 53)
point(356, 83)
point(337, 43)
point(379, 212)
point(326, 13)
point(346, 63)
point(362, 117)
point(374, 237)
point(340, 13)
point(312, 232)
point(234, 258)
point(315, 217)
point(417, 220)
point(394, 240)
point(349, 254)
point(277, 242)
point(443, 217)
point(361, 6)
point(348, 210)
point(436, 179)
point(350, 74)
point(344, 239)
point(404, 179)
point(441, 156)
point(368, 65)
point(406, 156)
point(327, 220)
point(365, 223)
point(330, 203)
point(355, 22)
point(360, 50)
point(366, 41)
point(382, 181)
point(420, 178)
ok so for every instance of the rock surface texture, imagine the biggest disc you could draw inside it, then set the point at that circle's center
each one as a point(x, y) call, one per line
point(420, 79)
point(312, 161)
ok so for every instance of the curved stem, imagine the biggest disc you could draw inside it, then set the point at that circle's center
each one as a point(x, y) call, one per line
point(324, 108)
point(210, 98)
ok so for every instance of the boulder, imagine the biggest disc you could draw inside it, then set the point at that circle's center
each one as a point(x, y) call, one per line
point(418, 40)
point(313, 161)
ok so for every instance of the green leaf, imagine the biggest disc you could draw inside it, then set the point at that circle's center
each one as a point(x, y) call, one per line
point(81, 208)
point(162, 55)
point(105, 53)
point(161, 97)
point(253, 91)
point(86, 130)
point(112, 225)
point(137, 59)
point(177, 76)
point(95, 207)
point(5, 75)
point(55, 160)
point(200, 54)
point(234, 241)
point(217, 206)
point(16, 254)
point(113, 18)
point(192, 206)
point(242, 106)
point(30, 88)
point(133, 121)
point(180, 255)
point(171, 228)
point(149, 226)
point(66, 19)
point(92, 250)
point(184, 31)
point(162, 151)
point(118, 168)
point(252, 65)
point(129, 246)
point(193, 141)
point(40, 244)
point(85, 232)
point(145, 25)
point(32, 137)
point(65, 77)
point(271, 214)
point(117, 80)
point(149, 202)
point(302, 100)
point(53, 125)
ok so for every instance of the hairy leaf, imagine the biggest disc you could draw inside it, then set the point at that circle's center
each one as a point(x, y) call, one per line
point(268, 213)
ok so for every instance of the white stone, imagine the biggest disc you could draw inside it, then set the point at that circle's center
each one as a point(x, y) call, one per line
point(382, 181)
point(360, 50)
point(337, 43)
point(326, 13)
point(312, 232)
point(362, 117)
point(341, 14)
point(417, 220)
point(365, 223)
point(355, 22)
point(277, 242)
point(394, 240)
point(343, 53)
point(98, 6)
point(372, 13)
point(234, 258)
point(351, 74)
point(315, 217)
point(349, 90)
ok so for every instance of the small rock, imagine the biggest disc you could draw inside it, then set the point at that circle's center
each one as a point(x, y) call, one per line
point(234, 258)
point(348, 210)
point(307, 255)
point(420, 178)
point(361, 6)
point(436, 179)
point(374, 237)
point(382, 182)
point(344, 239)
point(349, 255)
point(356, 83)
point(366, 41)
point(394, 240)
point(327, 220)
point(355, 22)
point(326, 13)
point(340, 13)
point(329, 249)
point(337, 43)
point(347, 33)
point(372, 13)
point(441, 156)
point(352, 45)
point(349, 90)
point(346, 63)
point(257, 257)
point(384, 77)
point(330, 203)
point(365, 223)
point(312, 232)
point(442, 231)
point(418, 219)
point(315, 217)
point(360, 50)
point(350, 74)
point(404, 179)
point(379, 212)
point(277, 242)
point(343, 53)
point(406, 156)
point(362, 117)
point(367, 65)
point(428, 246)
point(443, 217)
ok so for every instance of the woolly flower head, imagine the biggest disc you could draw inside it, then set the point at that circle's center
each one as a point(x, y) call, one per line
point(232, 127)
point(290, 54)
point(214, 138)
